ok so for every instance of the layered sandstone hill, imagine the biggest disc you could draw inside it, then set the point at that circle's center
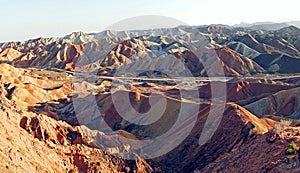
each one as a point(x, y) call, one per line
point(187, 99)
point(78, 148)
point(282, 103)
point(136, 53)
point(36, 143)
point(242, 51)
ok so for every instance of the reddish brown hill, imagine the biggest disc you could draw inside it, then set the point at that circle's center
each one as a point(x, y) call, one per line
point(27, 88)
point(243, 92)
point(205, 61)
point(35, 143)
point(219, 62)
point(238, 129)
point(257, 155)
point(283, 103)
point(9, 54)
point(233, 131)
point(239, 92)
point(115, 53)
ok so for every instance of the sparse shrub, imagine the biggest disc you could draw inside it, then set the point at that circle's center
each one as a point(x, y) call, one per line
point(292, 148)
point(280, 128)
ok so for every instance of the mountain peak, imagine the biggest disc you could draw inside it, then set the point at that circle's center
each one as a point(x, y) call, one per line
point(79, 37)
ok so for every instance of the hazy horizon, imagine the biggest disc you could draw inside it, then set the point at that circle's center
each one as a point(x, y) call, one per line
point(23, 20)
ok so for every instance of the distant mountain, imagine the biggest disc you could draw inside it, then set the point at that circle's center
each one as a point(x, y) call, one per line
point(249, 50)
point(267, 25)
point(263, 26)
point(295, 23)
point(246, 25)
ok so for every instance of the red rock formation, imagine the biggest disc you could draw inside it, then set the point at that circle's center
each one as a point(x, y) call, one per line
point(51, 119)
point(36, 143)
point(234, 130)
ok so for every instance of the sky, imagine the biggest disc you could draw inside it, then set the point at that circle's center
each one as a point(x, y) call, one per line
point(26, 19)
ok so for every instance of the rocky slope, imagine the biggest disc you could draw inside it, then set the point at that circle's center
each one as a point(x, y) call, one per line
point(35, 143)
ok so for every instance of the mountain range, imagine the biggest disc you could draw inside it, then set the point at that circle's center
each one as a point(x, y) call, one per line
point(210, 98)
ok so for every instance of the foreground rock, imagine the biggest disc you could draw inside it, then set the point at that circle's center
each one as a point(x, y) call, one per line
point(36, 143)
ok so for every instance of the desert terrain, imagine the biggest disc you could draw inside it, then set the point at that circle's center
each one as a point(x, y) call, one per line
point(186, 99)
